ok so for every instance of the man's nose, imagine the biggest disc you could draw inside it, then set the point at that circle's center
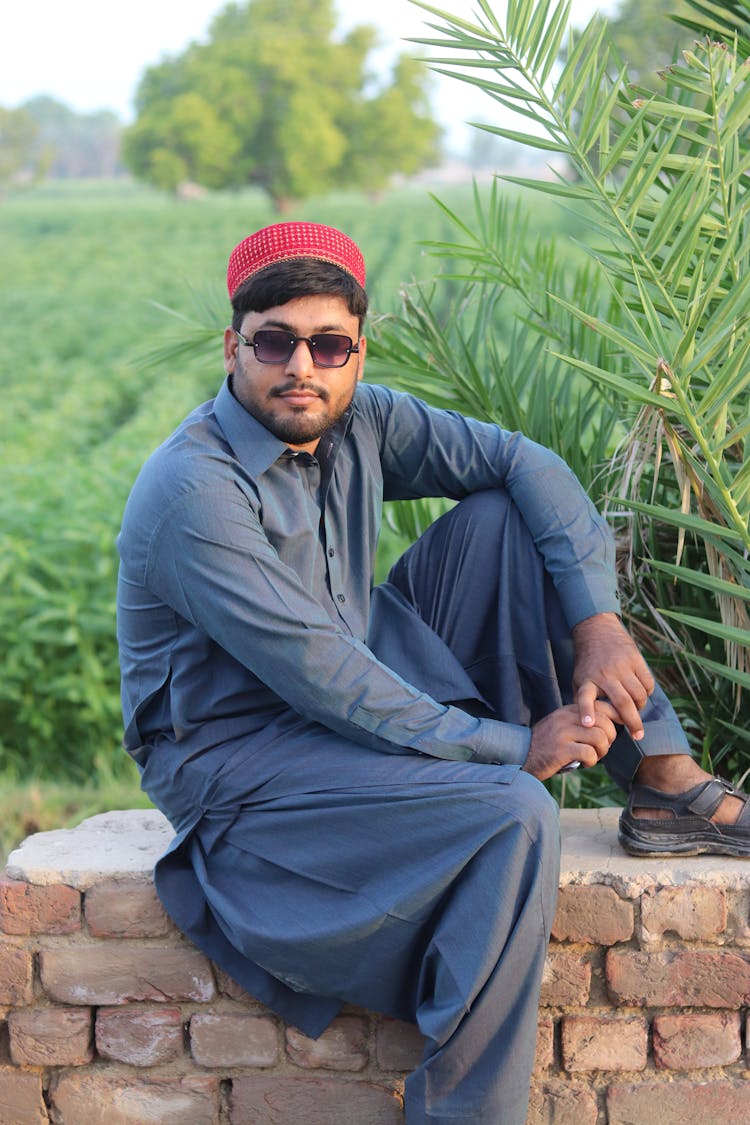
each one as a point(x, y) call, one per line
point(301, 361)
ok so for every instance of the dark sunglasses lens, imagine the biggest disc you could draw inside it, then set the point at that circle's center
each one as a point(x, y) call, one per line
point(330, 350)
point(273, 347)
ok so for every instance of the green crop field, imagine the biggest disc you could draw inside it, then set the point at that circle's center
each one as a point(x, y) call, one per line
point(85, 271)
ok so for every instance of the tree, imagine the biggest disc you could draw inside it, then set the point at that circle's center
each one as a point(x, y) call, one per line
point(635, 365)
point(274, 98)
point(75, 145)
point(647, 35)
point(19, 159)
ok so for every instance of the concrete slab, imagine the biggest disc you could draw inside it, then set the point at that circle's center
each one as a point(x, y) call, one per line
point(121, 844)
point(126, 844)
point(591, 854)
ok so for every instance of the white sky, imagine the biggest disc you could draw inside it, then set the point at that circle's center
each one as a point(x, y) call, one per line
point(90, 54)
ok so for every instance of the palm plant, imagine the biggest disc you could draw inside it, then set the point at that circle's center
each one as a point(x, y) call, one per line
point(636, 364)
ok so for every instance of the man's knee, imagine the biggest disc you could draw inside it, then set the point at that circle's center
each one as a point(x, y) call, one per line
point(540, 812)
point(491, 504)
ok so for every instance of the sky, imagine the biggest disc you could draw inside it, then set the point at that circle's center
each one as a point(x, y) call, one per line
point(90, 54)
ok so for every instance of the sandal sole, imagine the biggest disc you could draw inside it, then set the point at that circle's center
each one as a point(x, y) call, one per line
point(669, 844)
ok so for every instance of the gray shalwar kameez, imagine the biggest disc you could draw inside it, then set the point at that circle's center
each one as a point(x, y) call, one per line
point(343, 833)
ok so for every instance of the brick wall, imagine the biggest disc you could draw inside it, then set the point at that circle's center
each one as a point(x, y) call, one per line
point(108, 1015)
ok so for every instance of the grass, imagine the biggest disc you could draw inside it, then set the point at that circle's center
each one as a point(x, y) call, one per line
point(84, 269)
point(37, 805)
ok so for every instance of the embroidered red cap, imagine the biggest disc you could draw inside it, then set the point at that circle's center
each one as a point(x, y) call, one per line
point(284, 241)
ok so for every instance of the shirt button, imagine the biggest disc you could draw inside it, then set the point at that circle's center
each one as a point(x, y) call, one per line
point(331, 552)
point(341, 598)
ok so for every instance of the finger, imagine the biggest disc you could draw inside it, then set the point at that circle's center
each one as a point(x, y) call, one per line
point(584, 754)
point(636, 689)
point(645, 675)
point(628, 713)
point(607, 726)
point(593, 737)
point(648, 681)
point(604, 711)
point(586, 701)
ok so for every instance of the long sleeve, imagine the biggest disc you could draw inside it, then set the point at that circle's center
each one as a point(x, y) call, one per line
point(245, 572)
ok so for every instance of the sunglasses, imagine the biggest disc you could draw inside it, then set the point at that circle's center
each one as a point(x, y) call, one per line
point(326, 348)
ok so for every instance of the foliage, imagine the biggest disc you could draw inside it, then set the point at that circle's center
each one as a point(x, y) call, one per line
point(660, 179)
point(74, 145)
point(87, 270)
point(19, 160)
point(275, 99)
point(645, 34)
point(727, 21)
point(41, 806)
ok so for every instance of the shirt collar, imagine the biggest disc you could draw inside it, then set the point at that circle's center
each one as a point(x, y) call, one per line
point(255, 447)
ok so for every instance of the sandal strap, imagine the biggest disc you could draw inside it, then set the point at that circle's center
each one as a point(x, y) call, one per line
point(744, 818)
point(703, 800)
point(707, 799)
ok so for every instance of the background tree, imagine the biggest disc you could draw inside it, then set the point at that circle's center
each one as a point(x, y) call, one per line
point(19, 158)
point(75, 145)
point(275, 98)
point(647, 35)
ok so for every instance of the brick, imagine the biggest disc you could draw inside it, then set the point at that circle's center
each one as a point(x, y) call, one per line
point(679, 978)
point(101, 1100)
point(122, 908)
point(604, 1043)
point(16, 977)
point(116, 973)
point(234, 1040)
point(398, 1045)
point(277, 1100)
point(691, 1040)
point(694, 913)
point(51, 1036)
point(342, 1046)
point(545, 1044)
point(21, 1101)
point(677, 1103)
point(28, 909)
point(566, 980)
point(140, 1036)
point(558, 1103)
point(595, 914)
point(229, 987)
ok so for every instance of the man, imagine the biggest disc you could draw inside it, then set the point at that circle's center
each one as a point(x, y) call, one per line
point(353, 775)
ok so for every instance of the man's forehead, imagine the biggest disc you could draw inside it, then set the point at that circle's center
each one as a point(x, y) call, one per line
point(326, 311)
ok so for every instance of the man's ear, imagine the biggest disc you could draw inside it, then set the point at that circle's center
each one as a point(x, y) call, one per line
point(231, 344)
point(361, 357)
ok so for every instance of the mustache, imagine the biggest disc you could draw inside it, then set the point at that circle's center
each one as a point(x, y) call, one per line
point(286, 388)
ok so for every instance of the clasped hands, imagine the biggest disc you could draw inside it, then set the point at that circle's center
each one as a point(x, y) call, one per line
point(611, 685)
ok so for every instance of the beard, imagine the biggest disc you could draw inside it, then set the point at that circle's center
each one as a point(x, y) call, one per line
point(289, 422)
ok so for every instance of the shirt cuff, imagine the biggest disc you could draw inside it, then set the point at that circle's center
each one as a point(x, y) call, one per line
point(502, 744)
point(585, 597)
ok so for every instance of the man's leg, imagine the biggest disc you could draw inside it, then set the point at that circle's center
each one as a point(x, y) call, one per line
point(480, 978)
point(477, 580)
point(413, 886)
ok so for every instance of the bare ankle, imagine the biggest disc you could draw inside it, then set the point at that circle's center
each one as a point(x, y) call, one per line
point(671, 773)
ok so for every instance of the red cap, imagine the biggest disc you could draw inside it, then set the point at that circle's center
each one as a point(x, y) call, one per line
point(284, 241)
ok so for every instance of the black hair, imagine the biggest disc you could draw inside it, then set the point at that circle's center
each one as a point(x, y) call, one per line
point(301, 277)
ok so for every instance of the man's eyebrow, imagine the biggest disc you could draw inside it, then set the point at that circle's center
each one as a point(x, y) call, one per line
point(290, 328)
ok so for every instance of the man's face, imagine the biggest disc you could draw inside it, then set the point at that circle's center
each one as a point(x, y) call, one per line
point(296, 400)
